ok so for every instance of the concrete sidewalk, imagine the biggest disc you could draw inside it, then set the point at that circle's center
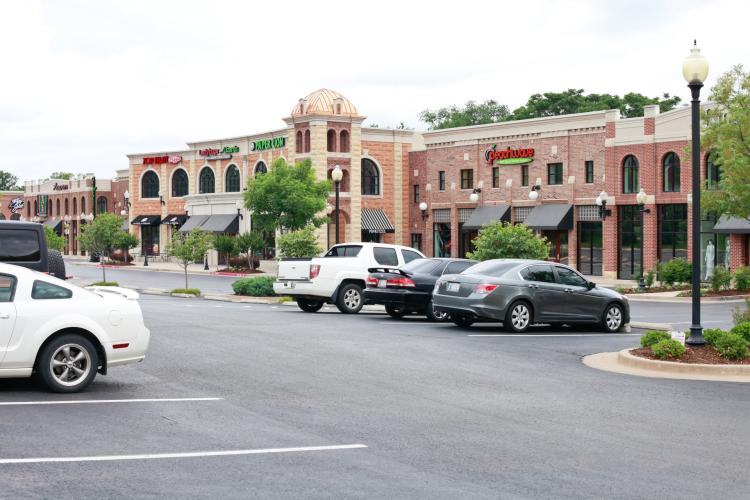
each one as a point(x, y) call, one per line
point(266, 268)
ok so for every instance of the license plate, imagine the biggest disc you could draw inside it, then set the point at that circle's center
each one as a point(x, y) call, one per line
point(382, 283)
point(290, 284)
point(453, 287)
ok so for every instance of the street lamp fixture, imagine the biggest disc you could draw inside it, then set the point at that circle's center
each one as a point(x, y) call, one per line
point(126, 195)
point(161, 198)
point(601, 202)
point(641, 198)
point(534, 193)
point(695, 71)
point(474, 196)
point(239, 210)
point(337, 175)
point(423, 209)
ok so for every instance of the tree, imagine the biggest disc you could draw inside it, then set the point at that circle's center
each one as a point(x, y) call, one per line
point(300, 243)
point(287, 197)
point(61, 175)
point(125, 241)
point(54, 240)
point(727, 136)
point(99, 236)
point(9, 182)
point(225, 244)
point(190, 248)
point(248, 243)
point(470, 114)
point(502, 240)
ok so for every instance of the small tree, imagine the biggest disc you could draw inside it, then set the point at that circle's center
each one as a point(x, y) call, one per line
point(125, 241)
point(301, 243)
point(99, 236)
point(54, 240)
point(191, 247)
point(225, 244)
point(248, 243)
point(504, 240)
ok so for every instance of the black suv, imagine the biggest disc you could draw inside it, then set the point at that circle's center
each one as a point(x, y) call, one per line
point(24, 244)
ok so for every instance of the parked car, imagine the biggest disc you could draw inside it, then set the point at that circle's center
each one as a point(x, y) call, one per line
point(24, 244)
point(408, 289)
point(339, 276)
point(520, 293)
point(63, 333)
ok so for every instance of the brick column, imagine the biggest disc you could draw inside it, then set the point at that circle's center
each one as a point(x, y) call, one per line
point(737, 251)
point(455, 234)
point(609, 241)
point(650, 238)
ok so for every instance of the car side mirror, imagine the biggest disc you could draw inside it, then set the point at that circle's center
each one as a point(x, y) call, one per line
point(591, 285)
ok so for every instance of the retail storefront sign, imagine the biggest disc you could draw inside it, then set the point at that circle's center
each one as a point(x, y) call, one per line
point(60, 187)
point(155, 160)
point(16, 205)
point(263, 144)
point(508, 156)
point(226, 150)
point(174, 159)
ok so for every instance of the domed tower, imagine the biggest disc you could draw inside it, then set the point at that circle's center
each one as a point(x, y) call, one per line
point(326, 128)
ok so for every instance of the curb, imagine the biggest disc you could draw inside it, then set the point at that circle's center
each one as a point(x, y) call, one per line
point(684, 300)
point(651, 326)
point(175, 271)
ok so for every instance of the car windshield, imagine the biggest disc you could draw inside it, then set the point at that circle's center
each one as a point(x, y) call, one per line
point(420, 266)
point(491, 268)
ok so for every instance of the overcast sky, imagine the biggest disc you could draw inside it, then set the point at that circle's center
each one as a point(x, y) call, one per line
point(86, 82)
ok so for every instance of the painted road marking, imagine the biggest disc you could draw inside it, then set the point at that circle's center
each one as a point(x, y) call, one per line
point(554, 335)
point(100, 401)
point(192, 454)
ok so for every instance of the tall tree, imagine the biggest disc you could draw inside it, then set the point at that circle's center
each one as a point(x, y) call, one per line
point(100, 237)
point(727, 136)
point(470, 114)
point(8, 182)
point(288, 197)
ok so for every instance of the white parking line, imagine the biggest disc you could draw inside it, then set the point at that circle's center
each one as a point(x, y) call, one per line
point(554, 335)
point(99, 401)
point(192, 454)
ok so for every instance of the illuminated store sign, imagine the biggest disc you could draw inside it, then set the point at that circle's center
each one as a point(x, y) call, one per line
point(158, 160)
point(262, 144)
point(508, 156)
point(16, 205)
point(227, 150)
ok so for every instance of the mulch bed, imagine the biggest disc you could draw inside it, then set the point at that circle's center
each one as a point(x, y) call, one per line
point(656, 289)
point(706, 355)
point(240, 270)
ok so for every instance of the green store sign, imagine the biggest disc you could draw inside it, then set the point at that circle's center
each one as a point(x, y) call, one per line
point(263, 144)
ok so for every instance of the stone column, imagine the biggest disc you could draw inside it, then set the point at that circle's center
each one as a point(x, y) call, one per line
point(355, 184)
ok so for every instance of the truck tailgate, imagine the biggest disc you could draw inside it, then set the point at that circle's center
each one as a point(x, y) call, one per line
point(294, 269)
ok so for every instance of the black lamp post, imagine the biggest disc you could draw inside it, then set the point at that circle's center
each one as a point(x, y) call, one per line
point(337, 175)
point(641, 199)
point(93, 257)
point(695, 71)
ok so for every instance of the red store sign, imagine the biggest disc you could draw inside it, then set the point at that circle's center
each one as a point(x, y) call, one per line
point(158, 160)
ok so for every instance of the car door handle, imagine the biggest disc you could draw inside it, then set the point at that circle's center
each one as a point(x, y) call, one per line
point(533, 286)
point(4, 315)
point(568, 290)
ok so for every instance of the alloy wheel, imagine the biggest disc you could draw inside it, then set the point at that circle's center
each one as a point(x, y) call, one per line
point(70, 364)
point(520, 316)
point(351, 299)
point(614, 318)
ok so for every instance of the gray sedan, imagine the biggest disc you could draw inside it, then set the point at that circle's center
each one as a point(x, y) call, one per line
point(520, 293)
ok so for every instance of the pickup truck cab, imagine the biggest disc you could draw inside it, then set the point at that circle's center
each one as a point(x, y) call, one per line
point(340, 276)
point(25, 244)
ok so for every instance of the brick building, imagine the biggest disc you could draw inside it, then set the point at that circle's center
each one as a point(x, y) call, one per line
point(11, 205)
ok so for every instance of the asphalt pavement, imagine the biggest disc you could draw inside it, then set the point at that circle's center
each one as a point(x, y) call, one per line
point(328, 405)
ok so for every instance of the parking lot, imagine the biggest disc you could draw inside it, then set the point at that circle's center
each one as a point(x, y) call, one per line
point(280, 403)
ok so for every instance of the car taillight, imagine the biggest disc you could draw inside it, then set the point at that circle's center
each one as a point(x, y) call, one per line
point(401, 282)
point(314, 271)
point(372, 280)
point(485, 288)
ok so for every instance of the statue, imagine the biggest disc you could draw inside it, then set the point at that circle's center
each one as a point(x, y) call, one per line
point(710, 257)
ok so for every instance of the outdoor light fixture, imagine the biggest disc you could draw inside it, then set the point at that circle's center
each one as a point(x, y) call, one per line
point(126, 195)
point(695, 71)
point(161, 198)
point(641, 198)
point(601, 202)
point(423, 209)
point(337, 175)
point(474, 196)
point(123, 213)
point(534, 193)
point(239, 210)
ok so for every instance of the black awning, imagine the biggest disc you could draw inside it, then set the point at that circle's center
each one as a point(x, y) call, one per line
point(734, 225)
point(174, 219)
point(550, 217)
point(376, 221)
point(55, 225)
point(193, 222)
point(222, 223)
point(487, 214)
point(146, 220)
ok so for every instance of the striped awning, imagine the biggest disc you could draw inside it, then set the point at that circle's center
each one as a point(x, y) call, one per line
point(375, 221)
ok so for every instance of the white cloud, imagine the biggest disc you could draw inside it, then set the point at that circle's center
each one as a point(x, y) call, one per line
point(86, 82)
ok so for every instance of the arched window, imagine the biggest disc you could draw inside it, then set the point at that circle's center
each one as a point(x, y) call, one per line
point(150, 185)
point(36, 208)
point(28, 210)
point(370, 177)
point(344, 141)
point(307, 141)
point(630, 175)
point(179, 183)
point(101, 205)
point(300, 143)
point(83, 205)
point(57, 207)
point(66, 207)
point(670, 167)
point(331, 140)
point(206, 181)
point(713, 171)
point(233, 179)
point(260, 168)
point(75, 206)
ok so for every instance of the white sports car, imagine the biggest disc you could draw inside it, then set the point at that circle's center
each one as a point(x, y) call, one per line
point(63, 333)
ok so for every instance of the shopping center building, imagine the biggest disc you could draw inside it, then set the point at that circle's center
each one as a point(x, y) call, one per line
point(435, 190)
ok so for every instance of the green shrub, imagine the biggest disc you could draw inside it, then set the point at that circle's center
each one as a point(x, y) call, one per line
point(649, 277)
point(677, 270)
point(711, 334)
point(261, 286)
point(105, 283)
point(731, 346)
point(740, 316)
point(651, 337)
point(743, 330)
point(742, 278)
point(301, 243)
point(187, 291)
point(721, 279)
point(668, 349)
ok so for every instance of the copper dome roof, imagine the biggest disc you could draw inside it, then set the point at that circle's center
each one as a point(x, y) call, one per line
point(324, 102)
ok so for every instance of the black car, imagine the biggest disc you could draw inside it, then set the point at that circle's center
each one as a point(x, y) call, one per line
point(408, 289)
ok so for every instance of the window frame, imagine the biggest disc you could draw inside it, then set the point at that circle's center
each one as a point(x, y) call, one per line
point(200, 180)
point(232, 168)
point(376, 250)
point(630, 174)
point(713, 172)
point(441, 180)
point(524, 175)
point(467, 178)
point(495, 177)
point(174, 185)
point(145, 193)
point(573, 272)
point(374, 180)
point(589, 169)
point(673, 176)
point(47, 283)
point(558, 174)
point(415, 193)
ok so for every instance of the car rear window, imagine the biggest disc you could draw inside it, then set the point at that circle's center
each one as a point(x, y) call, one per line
point(491, 268)
point(385, 256)
point(422, 266)
point(458, 267)
point(7, 286)
point(42, 290)
point(19, 245)
point(344, 251)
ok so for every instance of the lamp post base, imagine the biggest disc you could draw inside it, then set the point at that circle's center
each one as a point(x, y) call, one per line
point(641, 284)
point(696, 336)
point(205, 263)
point(145, 260)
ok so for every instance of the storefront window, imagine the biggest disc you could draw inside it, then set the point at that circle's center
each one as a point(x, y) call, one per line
point(590, 248)
point(671, 172)
point(179, 183)
point(101, 205)
point(672, 232)
point(233, 179)
point(149, 186)
point(714, 248)
point(631, 233)
point(150, 240)
point(442, 239)
point(630, 175)
point(206, 181)
point(370, 177)
point(558, 251)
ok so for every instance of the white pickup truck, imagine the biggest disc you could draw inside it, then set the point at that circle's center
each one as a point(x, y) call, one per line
point(339, 276)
